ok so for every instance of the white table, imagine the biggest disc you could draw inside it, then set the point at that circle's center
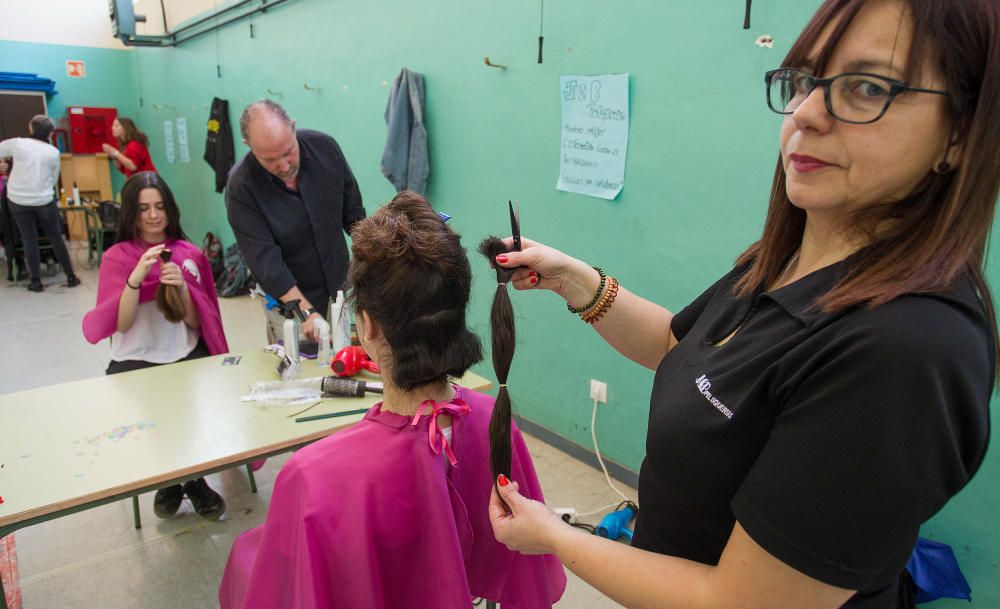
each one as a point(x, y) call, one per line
point(79, 445)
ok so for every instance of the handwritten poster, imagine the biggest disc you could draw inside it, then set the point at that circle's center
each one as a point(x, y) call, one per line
point(182, 140)
point(594, 134)
point(168, 139)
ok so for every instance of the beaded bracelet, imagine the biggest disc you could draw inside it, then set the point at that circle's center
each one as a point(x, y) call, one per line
point(595, 314)
point(597, 296)
point(600, 301)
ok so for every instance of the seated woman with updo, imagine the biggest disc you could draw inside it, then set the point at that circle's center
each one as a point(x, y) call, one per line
point(393, 512)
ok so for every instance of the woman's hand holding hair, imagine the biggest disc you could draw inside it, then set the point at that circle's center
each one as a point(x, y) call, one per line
point(524, 525)
point(170, 274)
point(146, 262)
point(550, 269)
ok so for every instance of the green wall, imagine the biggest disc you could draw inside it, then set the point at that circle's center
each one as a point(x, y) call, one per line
point(110, 80)
point(701, 152)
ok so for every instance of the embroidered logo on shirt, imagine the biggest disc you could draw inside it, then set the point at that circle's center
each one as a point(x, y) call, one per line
point(192, 268)
point(704, 385)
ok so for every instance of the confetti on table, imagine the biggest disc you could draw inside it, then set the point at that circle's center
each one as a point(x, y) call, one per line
point(119, 432)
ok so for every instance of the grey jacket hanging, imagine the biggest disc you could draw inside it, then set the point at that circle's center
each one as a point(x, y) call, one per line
point(405, 160)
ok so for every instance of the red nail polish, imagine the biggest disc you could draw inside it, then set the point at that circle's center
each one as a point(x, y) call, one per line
point(502, 480)
point(502, 259)
point(534, 280)
point(532, 274)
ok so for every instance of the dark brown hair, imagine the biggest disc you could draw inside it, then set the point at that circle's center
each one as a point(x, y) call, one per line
point(410, 273)
point(128, 219)
point(503, 335)
point(168, 298)
point(132, 133)
point(938, 232)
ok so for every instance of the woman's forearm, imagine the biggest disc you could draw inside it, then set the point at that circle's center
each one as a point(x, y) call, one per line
point(190, 311)
point(128, 304)
point(637, 328)
point(635, 578)
point(125, 162)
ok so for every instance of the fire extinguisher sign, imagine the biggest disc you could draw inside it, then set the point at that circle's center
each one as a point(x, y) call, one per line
point(76, 68)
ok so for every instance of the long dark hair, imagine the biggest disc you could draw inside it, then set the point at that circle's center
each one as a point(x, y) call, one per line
point(410, 273)
point(168, 297)
point(128, 219)
point(132, 133)
point(503, 341)
point(939, 232)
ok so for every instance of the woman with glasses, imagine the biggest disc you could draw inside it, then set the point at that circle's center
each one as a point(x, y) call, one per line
point(828, 395)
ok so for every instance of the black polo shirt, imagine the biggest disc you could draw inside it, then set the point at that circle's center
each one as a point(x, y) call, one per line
point(830, 437)
point(291, 238)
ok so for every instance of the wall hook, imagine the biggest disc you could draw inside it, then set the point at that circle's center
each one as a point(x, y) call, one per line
point(275, 93)
point(308, 88)
point(487, 61)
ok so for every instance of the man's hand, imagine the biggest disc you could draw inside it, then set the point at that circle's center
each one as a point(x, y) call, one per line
point(309, 327)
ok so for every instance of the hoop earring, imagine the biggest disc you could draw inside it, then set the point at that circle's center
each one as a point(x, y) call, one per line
point(942, 168)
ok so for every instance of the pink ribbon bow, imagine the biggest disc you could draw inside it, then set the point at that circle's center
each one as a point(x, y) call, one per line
point(434, 433)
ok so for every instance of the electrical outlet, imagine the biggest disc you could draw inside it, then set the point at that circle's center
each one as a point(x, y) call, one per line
point(567, 514)
point(599, 391)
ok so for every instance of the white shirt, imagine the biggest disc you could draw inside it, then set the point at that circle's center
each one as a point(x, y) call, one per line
point(35, 172)
point(446, 432)
point(152, 338)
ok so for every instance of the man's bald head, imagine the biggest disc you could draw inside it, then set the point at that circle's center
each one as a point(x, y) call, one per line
point(270, 134)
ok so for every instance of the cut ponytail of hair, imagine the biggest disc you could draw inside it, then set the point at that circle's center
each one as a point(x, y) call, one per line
point(168, 297)
point(502, 330)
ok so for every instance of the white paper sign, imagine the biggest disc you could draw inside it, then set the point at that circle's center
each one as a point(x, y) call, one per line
point(594, 134)
point(182, 139)
point(168, 140)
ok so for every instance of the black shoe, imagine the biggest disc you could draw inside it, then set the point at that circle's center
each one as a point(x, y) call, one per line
point(207, 503)
point(35, 285)
point(168, 501)
point(72, 281)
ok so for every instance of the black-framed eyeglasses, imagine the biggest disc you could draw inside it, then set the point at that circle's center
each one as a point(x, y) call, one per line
point(853, 97)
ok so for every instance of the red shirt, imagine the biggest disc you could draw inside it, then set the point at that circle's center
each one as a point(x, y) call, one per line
point(139, 155)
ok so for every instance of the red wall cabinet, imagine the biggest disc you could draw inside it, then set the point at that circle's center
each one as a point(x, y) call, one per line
point(89, 128)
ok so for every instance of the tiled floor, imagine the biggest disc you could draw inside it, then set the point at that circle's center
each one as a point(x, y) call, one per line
point(96, 558)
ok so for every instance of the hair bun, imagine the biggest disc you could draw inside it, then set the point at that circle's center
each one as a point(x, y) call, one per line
point(406, 227)
point(382, 237)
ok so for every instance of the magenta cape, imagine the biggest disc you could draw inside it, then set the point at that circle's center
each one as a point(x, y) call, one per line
point(117, 264)
point(369, 518)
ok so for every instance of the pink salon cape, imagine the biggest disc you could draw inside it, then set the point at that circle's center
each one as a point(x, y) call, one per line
point(116, 266)
point(371, 518)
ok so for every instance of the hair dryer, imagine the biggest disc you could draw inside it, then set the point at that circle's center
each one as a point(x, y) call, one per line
point(352, 360)
point(615, 524)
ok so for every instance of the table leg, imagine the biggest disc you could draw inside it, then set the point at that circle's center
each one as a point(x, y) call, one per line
point(135, 512)
point(253, 483)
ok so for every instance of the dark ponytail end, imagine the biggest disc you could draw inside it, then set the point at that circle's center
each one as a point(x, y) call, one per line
point(503, 335)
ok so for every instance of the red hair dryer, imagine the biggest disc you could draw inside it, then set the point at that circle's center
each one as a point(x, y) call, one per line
point(352, 360)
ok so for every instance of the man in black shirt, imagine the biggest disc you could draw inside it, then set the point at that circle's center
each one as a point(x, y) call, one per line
point(290, 201)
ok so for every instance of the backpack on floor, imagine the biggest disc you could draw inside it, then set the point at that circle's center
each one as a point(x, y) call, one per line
point(211, 246)
point(236, 278)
